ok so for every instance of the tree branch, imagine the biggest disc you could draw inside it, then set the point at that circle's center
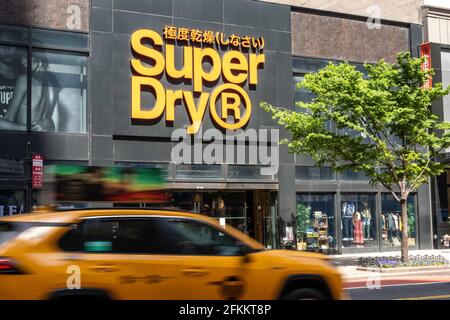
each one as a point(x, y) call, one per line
point(411, 188)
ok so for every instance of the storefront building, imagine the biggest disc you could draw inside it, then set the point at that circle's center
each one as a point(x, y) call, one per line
point(436, 22)
point(107, 83)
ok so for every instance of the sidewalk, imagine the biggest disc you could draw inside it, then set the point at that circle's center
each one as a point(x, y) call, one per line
point(347, 265)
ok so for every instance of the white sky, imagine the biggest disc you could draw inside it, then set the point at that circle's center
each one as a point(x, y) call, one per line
point(438, 3)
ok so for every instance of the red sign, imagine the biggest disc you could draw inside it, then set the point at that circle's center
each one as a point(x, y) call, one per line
point(425, 51)
point(37, 171)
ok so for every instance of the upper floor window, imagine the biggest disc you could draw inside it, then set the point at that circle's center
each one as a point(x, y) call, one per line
point(314, 173)
point(57, 72)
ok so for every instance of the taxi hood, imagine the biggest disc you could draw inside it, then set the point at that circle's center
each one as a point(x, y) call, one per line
point(292, 254)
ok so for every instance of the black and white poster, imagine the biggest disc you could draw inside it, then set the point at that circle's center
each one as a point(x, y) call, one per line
point(13, 82)
point(58, 92)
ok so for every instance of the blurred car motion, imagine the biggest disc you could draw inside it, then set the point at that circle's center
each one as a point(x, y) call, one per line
point(150, 254)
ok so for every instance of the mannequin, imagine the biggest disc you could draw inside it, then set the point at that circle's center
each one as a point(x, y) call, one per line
point(358, 232)
point(390, 225)
point(366, 218)
point(397, 222)
point(348, 209)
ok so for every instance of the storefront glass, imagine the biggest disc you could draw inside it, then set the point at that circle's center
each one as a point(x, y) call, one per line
point(270, 222)
point(228, 207)
point(391, 225)
point(11, 202)
point(358, 220)
point(316, 222)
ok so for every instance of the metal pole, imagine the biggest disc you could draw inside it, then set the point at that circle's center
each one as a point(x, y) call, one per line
point(29, 162)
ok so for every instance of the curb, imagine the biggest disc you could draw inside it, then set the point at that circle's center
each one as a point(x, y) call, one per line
point(399, 275)
point(404, 270)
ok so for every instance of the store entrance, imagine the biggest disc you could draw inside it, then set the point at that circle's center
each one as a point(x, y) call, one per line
point(252, 211)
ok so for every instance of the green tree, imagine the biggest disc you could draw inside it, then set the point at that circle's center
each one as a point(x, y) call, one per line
point(384, 125)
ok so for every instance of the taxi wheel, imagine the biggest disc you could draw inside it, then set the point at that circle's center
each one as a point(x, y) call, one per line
point(306, 294)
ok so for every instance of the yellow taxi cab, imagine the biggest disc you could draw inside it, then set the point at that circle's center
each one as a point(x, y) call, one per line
point(119, 253)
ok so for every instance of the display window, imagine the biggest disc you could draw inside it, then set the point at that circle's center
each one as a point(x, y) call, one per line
point(230, 208)
point(253, 212)
point(316, 222)
point(11, 202)
point(358, 220)
point(391, 224)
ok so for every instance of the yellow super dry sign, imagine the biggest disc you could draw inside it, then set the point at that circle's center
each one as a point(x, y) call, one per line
point(235, 67)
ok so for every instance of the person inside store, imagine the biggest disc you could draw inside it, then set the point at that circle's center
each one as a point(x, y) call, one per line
point(219, 209)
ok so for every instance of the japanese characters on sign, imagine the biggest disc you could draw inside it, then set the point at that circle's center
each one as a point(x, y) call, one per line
point(236, 68)
point(210, 37)
point(425, 51)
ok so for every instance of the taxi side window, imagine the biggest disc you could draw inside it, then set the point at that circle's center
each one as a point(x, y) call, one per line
point(89, 236)
point(174, 236)
point(190, 237)
point(138, 236)
point(98, 235)
point(71, 241)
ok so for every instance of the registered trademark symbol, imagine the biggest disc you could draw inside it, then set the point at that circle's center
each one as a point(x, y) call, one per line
point(230, 91)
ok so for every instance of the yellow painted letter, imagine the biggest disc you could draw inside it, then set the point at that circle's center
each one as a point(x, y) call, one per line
point(199, 73)
point(255, 60)
point(231, 101)
point(155, 55)
point(230, 64)
point(171, 99)
point(158, 108)
point(186, 71)
point(196, 114)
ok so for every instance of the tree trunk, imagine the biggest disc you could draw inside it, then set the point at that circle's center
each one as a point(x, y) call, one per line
point(404, 248)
